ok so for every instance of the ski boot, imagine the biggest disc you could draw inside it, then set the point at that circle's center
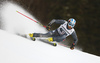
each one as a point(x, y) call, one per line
point(50, 39)
point(31, 34)
point(33, 38)
point(54, 44)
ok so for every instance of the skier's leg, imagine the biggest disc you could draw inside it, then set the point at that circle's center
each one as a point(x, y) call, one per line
point(41, 35)
point(59, 38)
point(49, 34)
point(54, 36)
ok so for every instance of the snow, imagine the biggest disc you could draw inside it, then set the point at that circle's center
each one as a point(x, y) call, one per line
point(16, 49)
point(14, 22)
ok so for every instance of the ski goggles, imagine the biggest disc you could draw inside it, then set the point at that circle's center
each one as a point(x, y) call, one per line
point(71, 24)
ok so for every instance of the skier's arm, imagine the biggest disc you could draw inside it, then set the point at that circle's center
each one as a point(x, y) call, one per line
point(56, 21)
point(75, 37)
point(75, 40)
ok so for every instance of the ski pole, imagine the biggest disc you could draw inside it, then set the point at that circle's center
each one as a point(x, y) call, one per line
point(30, 18)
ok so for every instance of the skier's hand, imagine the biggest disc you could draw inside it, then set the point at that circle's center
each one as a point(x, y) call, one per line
point(48, 28)
point(72, 47)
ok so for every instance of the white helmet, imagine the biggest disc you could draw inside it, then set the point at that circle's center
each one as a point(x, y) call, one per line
point(71, 22)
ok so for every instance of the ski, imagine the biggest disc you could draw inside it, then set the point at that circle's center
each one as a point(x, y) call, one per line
point(51, 43)
point(44, 40)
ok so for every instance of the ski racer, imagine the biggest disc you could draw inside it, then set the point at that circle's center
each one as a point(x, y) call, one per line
point(65, 29)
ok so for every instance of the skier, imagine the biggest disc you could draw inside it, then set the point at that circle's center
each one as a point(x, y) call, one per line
point(66, 28)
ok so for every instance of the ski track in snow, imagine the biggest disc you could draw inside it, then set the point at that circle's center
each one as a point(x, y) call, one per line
point(16, 49)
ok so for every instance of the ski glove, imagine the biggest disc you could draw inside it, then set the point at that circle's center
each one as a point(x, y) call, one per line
point(72, 47)
point(48, 28)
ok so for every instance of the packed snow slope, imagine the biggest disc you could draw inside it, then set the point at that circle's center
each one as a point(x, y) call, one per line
point(16, 49)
